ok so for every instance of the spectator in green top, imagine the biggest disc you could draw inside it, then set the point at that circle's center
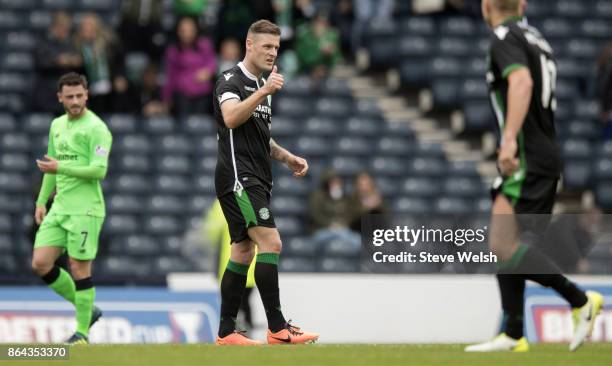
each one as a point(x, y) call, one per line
point(189, 8)
point(317, 46)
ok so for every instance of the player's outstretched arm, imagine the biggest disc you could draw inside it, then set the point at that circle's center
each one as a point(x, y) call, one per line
point(47, 187)
point(51, 166)
point(235, 113)
point(298, 165)
point(520, 89)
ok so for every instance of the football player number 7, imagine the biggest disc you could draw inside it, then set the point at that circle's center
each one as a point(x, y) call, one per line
point(549, 82)
point(84, 233)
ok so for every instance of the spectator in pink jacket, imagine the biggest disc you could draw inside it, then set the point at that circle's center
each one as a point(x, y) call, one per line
point(190, 69)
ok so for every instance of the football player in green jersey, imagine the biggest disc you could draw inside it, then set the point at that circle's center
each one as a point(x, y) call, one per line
point(76, 162)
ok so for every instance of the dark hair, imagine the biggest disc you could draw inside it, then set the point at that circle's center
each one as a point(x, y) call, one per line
point(264, 27)
point(71, 79)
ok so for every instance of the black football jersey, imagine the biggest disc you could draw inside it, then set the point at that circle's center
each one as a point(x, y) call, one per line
point(244, 152)
point(516, 44)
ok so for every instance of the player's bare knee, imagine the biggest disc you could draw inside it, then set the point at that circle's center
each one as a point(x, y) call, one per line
point(274, 246)
point(41, 266)
point(79, 269)
point(242, 252)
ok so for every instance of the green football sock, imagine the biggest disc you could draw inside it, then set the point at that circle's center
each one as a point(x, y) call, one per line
point(84, 301)
point(60, 281)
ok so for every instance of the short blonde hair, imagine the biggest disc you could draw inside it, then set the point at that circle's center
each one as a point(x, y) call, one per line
point(264, 27)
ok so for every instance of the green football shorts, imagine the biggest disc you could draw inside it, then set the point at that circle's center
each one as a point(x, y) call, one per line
point(79, 235)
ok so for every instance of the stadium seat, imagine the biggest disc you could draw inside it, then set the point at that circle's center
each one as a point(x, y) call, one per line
point(206, 164)
point(313, 146)
point(297, 264)
point(135, 245)
point(9, 20)
point(462, 169)
point(427, 167)
point(7, 123)
point(165, 205)
point(478, 116)
point(125, 267)
point(453, 46)
point(170, 264)
point(174, 164)
point(172, 184)
point(134, 164)
point(121, 224)
point(9, 204)
point(356, 146)
point(37, 123)
point(15, 162)
point(602, 169)
point(17, 61)
point(174, 144)
point(59, 4)
point(398, 129)
point(458, 26)
point(414, 46)
point(476, 67)
point(348, 166)
point(162, 225)
point(121, 124)
point(342, 248)
point(449, 67)
point(15, 142)
point(289, 226)
point(596, 28)
point(199, 205)
point(334, 107)
point(418, 25)
point(472, 89)
point(464, 187)
point(199, 125)
point(571, 8)
point(557, 28)
point(14, 82)
point(367, 108)
point(12, 102)
point(453, 206)
point(286, 185)
point(388, 187)
point(132, 183)
point(587, 109)
point(8, 265)
point(414, 71)
point(603, 194)
point(288, 205)
point(204, 184)
point(577, 174)
point(576, 149)
point(446, 93)
point(6, 245)
point(335, 88)
point(299, 87)
point(394, 146)
point(412, 206)
point(124, 204)
point(17, 40)
point(5, 223)
point(206, 146)
point(363, 126)
point(388, 166)
point(300, 247)
point(286, 126)
point(339, 265)
point(40, 20)
point(158, 125)
point(292, 107)
point(605, 149)
point(603, 8)
point(131, 144)
point(415, 187)
point(582, 48)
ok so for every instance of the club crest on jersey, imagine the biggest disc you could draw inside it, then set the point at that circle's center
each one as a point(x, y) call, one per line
point(228, 76)
point(264, 213)
point(100, 151)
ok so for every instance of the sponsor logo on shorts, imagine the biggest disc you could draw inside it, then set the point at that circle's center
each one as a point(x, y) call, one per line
point(264, 213)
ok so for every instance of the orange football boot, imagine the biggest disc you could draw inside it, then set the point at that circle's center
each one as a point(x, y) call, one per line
point(291, 335)
point(236, 339)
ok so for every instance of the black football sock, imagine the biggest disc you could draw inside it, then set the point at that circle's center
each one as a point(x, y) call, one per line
point(266, 278)
point(512, 291)
point(232, 287)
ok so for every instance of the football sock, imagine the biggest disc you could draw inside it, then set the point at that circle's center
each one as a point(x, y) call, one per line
point(84, 301)
point(60, 281)
point(512, 291)
point(266, 278)
point(528, 260)
point(232, 286)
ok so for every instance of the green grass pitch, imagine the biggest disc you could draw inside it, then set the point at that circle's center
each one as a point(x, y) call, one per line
point(336, 355)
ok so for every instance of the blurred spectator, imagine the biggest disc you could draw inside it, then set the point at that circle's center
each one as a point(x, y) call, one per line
point(329, 205)
point(229, 55)
point(141, 28)
point(103, 61)
point(284, 19)
point(303, 12)
point(366, 200)
point(317, 47)
point(235, 18)
point(342, 17)
point(55, 55)
point(148, 93)
point(605, 89)
point(189, 8)
point(366, 11)
point(191, 65)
